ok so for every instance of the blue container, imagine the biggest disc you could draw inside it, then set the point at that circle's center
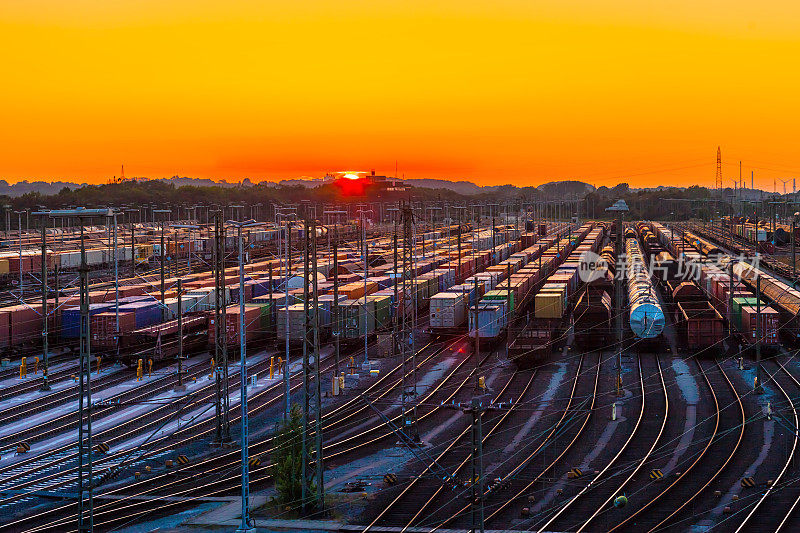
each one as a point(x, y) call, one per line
point(71, 318)
point(146, 313)
point(261, 287)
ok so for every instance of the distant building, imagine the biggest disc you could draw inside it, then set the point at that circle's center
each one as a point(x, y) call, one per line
point(386, 183)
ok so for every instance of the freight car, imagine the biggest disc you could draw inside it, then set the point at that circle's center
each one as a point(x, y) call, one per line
point(161, 342)
point(646, 318)
point(554, 297)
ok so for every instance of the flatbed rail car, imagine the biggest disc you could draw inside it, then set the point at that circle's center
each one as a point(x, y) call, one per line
point(161, 342)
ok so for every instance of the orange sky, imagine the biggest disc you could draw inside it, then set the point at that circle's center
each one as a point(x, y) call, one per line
point(508, 91)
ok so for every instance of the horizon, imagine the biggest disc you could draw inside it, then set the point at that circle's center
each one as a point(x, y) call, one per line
point(508, 93)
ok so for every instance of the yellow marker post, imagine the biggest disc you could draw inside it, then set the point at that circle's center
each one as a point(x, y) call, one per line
point(211, 376)
point(23, 369)
point(352, 366)
point(271, 367)
point(149, 368)
point(35, 365)
point(139, 371)
point(280, 365)
point(99, 360)
point(341, 381)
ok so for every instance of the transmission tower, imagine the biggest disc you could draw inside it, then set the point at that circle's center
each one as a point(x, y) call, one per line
point(718, 184)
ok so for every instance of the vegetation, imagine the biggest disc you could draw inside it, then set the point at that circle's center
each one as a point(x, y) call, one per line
point(287, 460)
point(659, 203)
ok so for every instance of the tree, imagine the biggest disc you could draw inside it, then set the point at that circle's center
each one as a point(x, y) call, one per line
point(287, 459)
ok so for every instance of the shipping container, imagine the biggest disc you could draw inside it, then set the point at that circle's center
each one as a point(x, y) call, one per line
point(448, 310)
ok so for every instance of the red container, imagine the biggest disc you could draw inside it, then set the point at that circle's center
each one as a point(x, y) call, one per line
point(17, 264)
point(103, 327)
point(769, 325)
point(25, 324)
point(5, 330)
point(252, 319)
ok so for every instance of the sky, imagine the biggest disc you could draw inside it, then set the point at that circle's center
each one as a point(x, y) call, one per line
point(508, 91)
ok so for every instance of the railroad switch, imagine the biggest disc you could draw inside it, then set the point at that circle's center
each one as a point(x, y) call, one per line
point(748, 482)
point(390, 479)
point(656, 474)
point(23, 447)
point(182, 460)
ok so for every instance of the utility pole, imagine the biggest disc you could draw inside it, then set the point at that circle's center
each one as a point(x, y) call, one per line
point(410, 420)
point(246, 525)
point(85, 472)
point(477, 341)
point(318, 463)
point(363, 212)
point(619, 208)
point(85, 476)
point(163, 255)
point(21, 268)
point(180, 387)
point(794, 258)
point(307, 341)
point(336, 312)
point(116, 286)
point(45, 349)
point(759, 389)
point(287, 266)
point(222, 434)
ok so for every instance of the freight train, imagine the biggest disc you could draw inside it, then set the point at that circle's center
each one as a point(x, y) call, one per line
point(707, 297)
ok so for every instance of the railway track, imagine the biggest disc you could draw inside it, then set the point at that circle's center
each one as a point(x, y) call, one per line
point(432, 478)
point(606, 483)
point(63, 455)
point(701, 464)
point(222, 468)
point(760, 513)
point(521, 483)
point(50, 400)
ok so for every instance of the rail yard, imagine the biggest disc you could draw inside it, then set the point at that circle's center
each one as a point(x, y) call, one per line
point(398, 367)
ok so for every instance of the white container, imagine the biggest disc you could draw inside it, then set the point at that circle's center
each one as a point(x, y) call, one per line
point(447, 310)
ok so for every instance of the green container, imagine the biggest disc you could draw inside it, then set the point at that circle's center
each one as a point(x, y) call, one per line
point(358, 318)
point(266, 315)
point(736, 309)
point(381, 305)
point(499, 295)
